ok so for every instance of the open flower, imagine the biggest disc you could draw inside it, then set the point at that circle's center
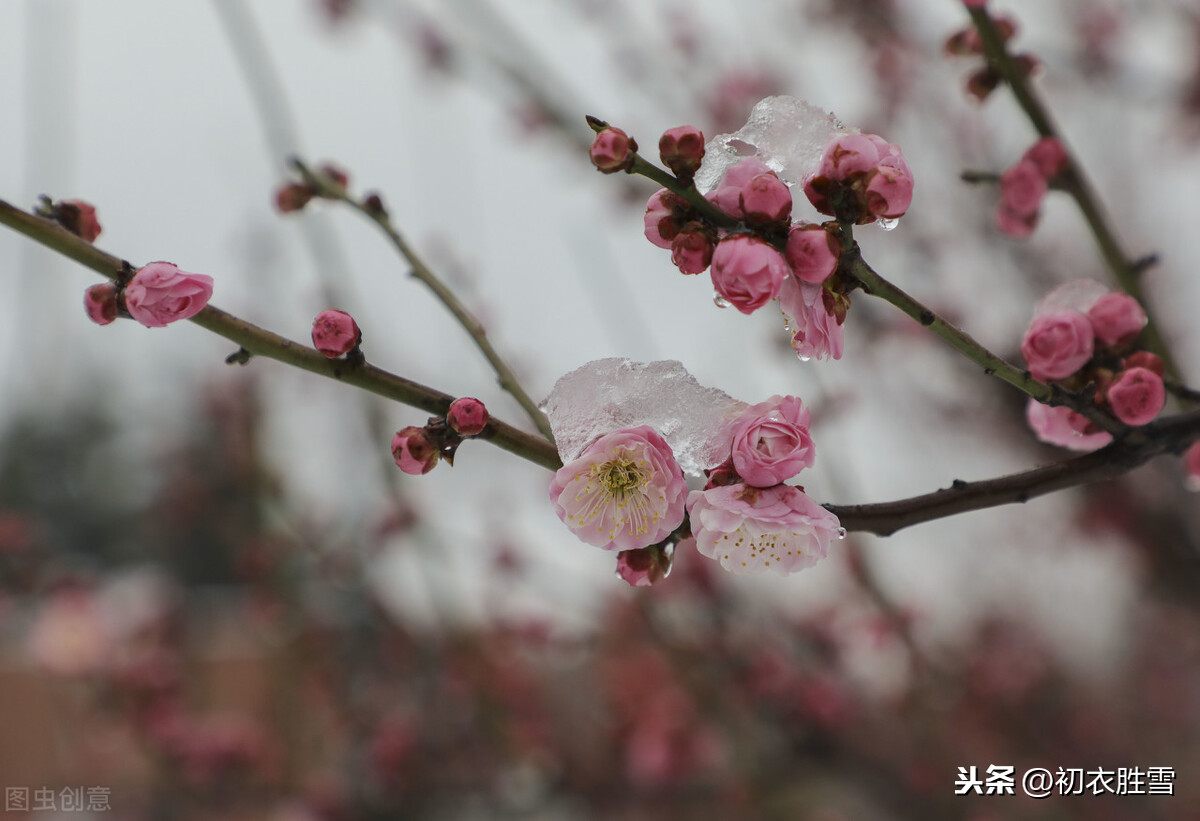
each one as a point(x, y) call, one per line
point(816, 333)
point(751, 530)
point(1059, 425)
point(624, 492)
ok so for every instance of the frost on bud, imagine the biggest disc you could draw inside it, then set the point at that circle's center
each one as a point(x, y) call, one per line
point(79, 218)
point(414, 451)
point(612, 151)
point(292, 197)
point(645, 566)
point(467, 416)
point(100, 302)
point(692, 249)
point(812, 252)
point(765, 199)
point(681, 150)
point(1136, 396)
point(335, 333)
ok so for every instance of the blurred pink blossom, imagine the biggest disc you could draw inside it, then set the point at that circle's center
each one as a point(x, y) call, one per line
point(1057, 344)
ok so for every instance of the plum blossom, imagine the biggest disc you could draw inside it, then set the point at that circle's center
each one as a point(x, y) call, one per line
point(728, 195)
point(612, 150)
point(467, 416)
point(335, 333)
point(1116, 319)
point(862, 178)
point(1064, 427)
point(160, 293)
point(662, 217)
point(1136, 396)
point(747, 271)
point(624, 492)
point(765, 199)
point(816, 334)
point(1058, 344)
point(414, 451)
point(771, 442)
point(812, 252)
point(100, 302)
point(751, 530)
point(682, 150)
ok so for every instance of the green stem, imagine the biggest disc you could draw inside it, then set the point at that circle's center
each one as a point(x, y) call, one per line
point(261, 342)
point(508, 380)
point(1074, 181)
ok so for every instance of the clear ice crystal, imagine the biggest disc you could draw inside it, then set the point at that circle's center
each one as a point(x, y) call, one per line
point(610, 394)
point(787, 134)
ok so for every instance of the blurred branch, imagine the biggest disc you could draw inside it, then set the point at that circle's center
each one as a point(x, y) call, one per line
point(261, 342)
point(1074, 181)
point(376, 213)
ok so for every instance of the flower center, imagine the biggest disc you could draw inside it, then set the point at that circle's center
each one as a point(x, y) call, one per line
point(620, 477)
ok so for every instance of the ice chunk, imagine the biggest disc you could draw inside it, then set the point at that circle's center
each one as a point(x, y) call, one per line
point(610, 394)
point(1076, 295)
point(785, 133)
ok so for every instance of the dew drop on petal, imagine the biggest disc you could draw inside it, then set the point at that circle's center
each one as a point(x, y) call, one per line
point(841, 532)
point(720, 301)
point(803, 357)
point(669, 558)
point(887, 224)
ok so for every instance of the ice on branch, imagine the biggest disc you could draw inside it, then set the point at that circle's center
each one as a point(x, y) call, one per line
point(785, 133)
point(613, 394)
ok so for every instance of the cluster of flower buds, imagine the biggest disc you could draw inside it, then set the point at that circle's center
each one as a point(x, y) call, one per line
point(1023, 186)
point(967, 43)
point(156, 295)
point(764, 255)
point(417, 450)
point(1083, 335)
point(293, 196)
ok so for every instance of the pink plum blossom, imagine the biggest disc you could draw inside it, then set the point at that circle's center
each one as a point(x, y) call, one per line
point(1116, 319)
point(612, 150)
point(1049, 155)
point(692, 250)
point(812, 252)
point(78, 217)
point(1136, 396)
point(728, 195)
point(160, 293)
point(816, 333)
point(747, 272)
point(766, 199)
point(1014, 224)
point(862, 176)
point(661, 220)
point(1064, 427)
point(467, 416)
point(771, 442)
point(681, 150)
point(414, 451)
point(335, 333)
point(750, 530)
point(100, 302)
point(1022, 188)
point(645, 566)
point(624, 492)
point(1058, 344)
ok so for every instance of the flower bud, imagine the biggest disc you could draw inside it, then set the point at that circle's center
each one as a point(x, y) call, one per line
point(662, 220)
point(1058, 344)
point(612, 151)
point(682, 150)
point(335, 174)
point(1049, 155)
point(292, 197)
point(160, 293)
point(1117, 319)
point(1144, 359)
point(1022, 188)
point(335, 333)
point(1136, 396)
point(766, 199)
point(692, 249)
point(747, 272)
point(646, 566)
point(414, 451)
point(467, 416)
point(79, 218)
point(812, 252)
point(100, 302)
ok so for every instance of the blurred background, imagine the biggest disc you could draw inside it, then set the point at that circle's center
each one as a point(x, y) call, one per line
point(220, 600)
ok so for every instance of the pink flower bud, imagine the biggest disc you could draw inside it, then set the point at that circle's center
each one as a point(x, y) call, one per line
point(467, 416)
point(771, 444)
point(79, 218)
point(1014, 224)
point(1049, 156)
point(663, 211)
point(100, 302)
point(1057, 344)
point(765, 199)
point(728, 195)
point(848, 154)
point(692, 250)
point(339, 177)
point(812, 252)
point(292, 197)
point(1191, 466)
point(612, 150)
point(1136, 396)
point(682, 150)
point(1022, 188)
point(1144, 359)
point(335, 333)
point(863, 177)
point(889, 191)
point(645, 566)
point(747, 272)
point(160, 293)
point(414, 451)
point(1117, 319)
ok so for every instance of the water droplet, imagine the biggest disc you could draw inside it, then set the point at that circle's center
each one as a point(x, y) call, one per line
point(841, 532)
point(669, 557)
point(887, 224)
point(803, 357)
point(720, 301)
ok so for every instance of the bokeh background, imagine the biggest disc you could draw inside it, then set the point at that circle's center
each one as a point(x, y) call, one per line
point(219, 598)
